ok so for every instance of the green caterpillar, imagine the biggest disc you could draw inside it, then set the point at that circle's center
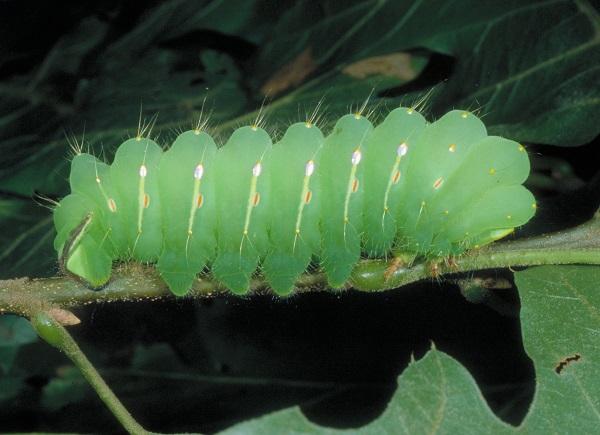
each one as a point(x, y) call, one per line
point(427, 189)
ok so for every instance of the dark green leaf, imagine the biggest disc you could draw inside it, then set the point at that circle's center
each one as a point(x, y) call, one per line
point(10, 387)
point(561, 322)
point(435, 395)
point(26, 242)
point(14, 332)
point(533, 89)
point(560, 317)
point(68, 387)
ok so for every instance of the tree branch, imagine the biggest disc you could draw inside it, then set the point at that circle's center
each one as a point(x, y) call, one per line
point(50, 329)
point(132, 282)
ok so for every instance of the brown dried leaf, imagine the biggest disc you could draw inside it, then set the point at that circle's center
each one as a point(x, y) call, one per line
point(394, 65)
point(291, 74)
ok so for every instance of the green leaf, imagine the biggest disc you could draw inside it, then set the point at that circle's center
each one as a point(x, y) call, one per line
point(435, 395)
point(10, 387)
point(542, 89)
point(26, 243)
point(66, 388)
point(105, 107)
point(523, 85)
point(539, 90)
point(560, 318)
point(159, 356)
point(496, 69)
point(14, 332)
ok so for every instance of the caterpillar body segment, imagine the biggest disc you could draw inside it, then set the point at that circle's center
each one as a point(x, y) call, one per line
point(436, 155)
point(242, 195)
point(134, 177)
point(489, 219)
point(428, 189)
point(340, 174)
point(81, 240)
point(186, 185)
point(492, 172)
point(293, 221)
point(91, 179)
point(386, 158)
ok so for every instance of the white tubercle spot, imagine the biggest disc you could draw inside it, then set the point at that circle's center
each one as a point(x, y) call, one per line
point(310, 168)
point(356, 156)
point(199, 172)
point(98, 180)
point(402, 149)
point(256, 169)
point(143, 171)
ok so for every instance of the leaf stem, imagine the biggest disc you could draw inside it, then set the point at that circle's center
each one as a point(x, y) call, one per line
point(57, 335)
point(37, 299)
point(578, 245)
point(134, 282)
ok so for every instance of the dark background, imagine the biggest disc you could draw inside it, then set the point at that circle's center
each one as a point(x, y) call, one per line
point(203, 365)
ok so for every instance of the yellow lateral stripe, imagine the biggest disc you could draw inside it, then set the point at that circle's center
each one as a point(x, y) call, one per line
point(101, 189)
point(308, 171)
point(302, 203)
point(389, 188)
point(356, 157)
point(194, 205)
point(256, 170)
point(141, 197)
point(198, 173)
point(400, 152)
